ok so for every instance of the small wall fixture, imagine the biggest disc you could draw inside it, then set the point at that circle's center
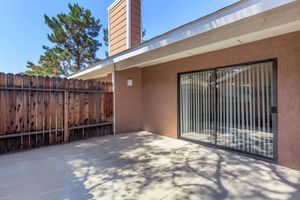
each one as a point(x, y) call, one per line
point(129, 82)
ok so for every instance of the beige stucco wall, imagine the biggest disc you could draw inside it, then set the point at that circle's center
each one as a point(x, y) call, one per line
point(128, 104)
point(151, 104)
point(159, 89)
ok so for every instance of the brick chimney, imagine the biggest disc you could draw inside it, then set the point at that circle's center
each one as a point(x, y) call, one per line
point(124, 25)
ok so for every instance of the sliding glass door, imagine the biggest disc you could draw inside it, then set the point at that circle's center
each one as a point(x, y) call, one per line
point(230, 107)
point(197, 111)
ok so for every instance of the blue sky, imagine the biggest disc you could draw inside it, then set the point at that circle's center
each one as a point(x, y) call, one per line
point(23, 31)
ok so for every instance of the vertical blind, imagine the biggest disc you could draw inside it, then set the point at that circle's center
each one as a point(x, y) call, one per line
point(230, 107)
point(197, 111)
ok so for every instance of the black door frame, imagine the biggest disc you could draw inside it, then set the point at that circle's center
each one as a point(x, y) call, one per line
point(274, 111)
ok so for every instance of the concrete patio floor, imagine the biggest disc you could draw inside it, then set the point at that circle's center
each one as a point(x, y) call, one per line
point(141, 166)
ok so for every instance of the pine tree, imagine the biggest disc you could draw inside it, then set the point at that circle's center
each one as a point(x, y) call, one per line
point(105, 40)
point(74, 37)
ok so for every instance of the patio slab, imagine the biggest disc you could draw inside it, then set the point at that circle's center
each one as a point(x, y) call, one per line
point(141, 166)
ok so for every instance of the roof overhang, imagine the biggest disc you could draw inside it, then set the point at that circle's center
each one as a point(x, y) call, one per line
point(244, 22)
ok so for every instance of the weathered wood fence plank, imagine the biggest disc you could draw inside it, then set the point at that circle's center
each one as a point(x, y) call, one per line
point(38, 111)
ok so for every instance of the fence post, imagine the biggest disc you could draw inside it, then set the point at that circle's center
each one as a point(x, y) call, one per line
point(66, 117)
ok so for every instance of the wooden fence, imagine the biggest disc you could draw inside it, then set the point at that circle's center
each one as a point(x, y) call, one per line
point(38, 111)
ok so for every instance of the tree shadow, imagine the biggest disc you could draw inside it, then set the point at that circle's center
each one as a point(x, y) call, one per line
point(149, 166)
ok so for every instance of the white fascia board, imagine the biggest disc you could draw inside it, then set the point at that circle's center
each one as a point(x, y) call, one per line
point(221, 18)
point(103, 64)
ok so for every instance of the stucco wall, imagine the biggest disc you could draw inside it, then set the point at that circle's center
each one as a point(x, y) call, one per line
point(159, 89)
point(128, 102)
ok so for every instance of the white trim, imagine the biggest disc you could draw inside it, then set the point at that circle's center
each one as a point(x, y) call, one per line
point(238, 12)
point(113, 4)
point(108, 33)
point(114, 98)
point(107, 62)
point(128, 27)
point(214, 23)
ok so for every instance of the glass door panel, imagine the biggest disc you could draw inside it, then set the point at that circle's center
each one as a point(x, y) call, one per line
point(230, 107)
point(197, 111)
point(244, 117)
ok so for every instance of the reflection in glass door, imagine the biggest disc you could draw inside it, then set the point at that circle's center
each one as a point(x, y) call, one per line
point(230, 107)
point(197, 93)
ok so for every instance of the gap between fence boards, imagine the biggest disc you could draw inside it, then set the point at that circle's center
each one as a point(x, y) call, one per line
point(53, 130)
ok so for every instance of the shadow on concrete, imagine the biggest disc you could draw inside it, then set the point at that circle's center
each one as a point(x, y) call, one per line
point(142, 166)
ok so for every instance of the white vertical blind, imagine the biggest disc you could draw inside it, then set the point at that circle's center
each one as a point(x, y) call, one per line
point(250, 109)
point(230, 107)
point(268, 102)
point(239, 110)
point(230, 111)
point(272, 103)
point(246, 86)
point(263, 107)
point(234, 111)
point(195, 106)
point(242, 111)
point(254, 111)
point(258, 101)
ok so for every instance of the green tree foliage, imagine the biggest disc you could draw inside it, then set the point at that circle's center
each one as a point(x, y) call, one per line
point(37, 70)
point(105, 40)
point(74, 37)
point(144, 31)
